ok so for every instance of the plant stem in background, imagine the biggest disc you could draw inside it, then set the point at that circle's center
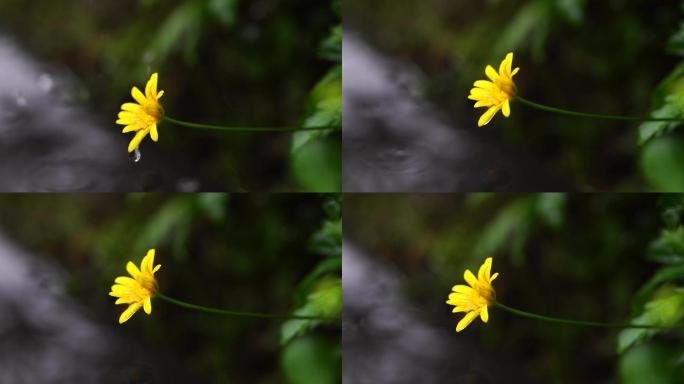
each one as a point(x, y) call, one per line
point(245, 129)
point(225, 312)
point(590, 115)
point(578, 322)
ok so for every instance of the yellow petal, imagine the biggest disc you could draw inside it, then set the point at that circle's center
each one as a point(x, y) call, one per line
point(505, 67)
point(459, 309)
point(126, 281)
point(506, 108)
point(129, 312)
point(147, 305)
point(491, 73)
point(483, 103)
point(151, 87)
point(135, 142)
point(138, 96)
point(123, 300)
point(467, 319)
point(479, 92)
point(484, 84)
point(461, 289)
point(160, 94)
point(488, 115)
point(148, 261)
point(130, 128)
point(154, 135)
point(132, 269)
point(156, 268)
point(470, 278)
point(131, 107)
point(484, 314)
point(493, 277)
point(514, 72)
point(485, 268)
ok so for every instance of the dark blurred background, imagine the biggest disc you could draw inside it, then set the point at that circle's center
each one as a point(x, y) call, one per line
point(264, 63)
point(595, 56)
point(262, 253)
point(600, 257)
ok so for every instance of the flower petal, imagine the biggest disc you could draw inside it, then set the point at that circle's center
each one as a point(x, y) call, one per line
point(484, 314)
point(147, 305)
point(135, 142)
point(488, 115)
point(506, 108)
point(130, 128)
point(133, 308)
point(126, 281)
point(151, 87)
point(131, 107)
point(138, 96)
point(467, 319)
point(484, 84)
point(461, 289)
point(154, 135)
point(470, 278)
point(485, 268)
point(132, 270)
point(491, 73)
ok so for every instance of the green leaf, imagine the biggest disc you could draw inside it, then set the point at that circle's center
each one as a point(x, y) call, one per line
point(182, 25)
point(223, 10)
point(511, 224)
point(331, 47)
point(551, 208)
point(664, 275)
point(669, 248)
point(317, 165)
point(675, 44)
point(328, 240)
point(665, 311)
point(324, 109)
point(650, 364)
point(325, 301)
point(213, 205)
point(572, 10)
point(661, 162)
point(314, 359)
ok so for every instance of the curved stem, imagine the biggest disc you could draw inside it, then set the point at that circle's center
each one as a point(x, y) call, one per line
point(225, 312)
point(590, 115)
point(577, 322)
point(244, 129)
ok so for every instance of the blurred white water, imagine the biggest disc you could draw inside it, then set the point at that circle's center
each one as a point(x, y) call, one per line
point(50, 140)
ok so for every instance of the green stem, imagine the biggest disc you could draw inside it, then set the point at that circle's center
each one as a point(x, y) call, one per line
point(590, 115)
point(225, 312)
point(244, 129)
point(576, 322)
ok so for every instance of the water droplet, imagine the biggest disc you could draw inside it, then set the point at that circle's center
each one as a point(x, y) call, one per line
point(135, 155)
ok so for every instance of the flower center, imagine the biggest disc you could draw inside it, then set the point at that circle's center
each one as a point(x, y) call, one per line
point(506, 86)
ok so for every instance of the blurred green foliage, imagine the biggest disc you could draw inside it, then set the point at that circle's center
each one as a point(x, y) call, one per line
point(266, 253)
point(600, 257)
point(594, 56)
point(232, 62)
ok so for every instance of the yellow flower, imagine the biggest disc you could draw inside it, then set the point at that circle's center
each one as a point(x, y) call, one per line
point(475, 298)
point(497, 93)
point(137, 291)
point(142, 118)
